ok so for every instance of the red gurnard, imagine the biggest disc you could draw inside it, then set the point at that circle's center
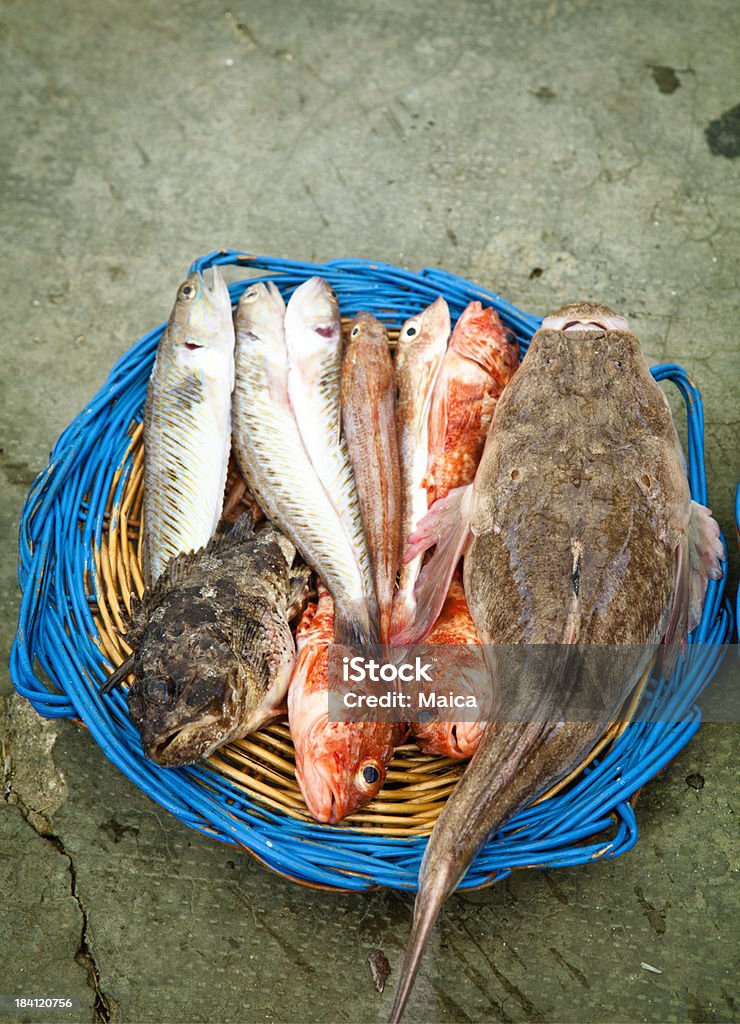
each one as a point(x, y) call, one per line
point(454, 626)
point(340, 766)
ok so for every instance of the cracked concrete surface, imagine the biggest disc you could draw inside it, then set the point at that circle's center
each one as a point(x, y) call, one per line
point(549, 151)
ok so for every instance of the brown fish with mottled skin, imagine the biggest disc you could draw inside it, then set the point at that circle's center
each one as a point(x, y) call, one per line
point(580, 531)
point(213, 650)
point(421, 345)
point(368, 420)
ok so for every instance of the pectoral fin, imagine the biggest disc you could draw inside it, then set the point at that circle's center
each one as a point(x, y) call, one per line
point(446, 527)
point(706, 552)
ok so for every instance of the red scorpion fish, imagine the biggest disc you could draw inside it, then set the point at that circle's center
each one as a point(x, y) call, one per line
point(454, 626)
point(340, 766)
point(480, 360)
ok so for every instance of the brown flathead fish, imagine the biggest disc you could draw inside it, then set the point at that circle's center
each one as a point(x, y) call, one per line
point(580, 532)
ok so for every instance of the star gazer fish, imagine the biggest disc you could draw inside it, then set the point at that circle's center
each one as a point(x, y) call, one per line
point(213, 650)
point(578, 530)
point(187, 424)
point(274, 461)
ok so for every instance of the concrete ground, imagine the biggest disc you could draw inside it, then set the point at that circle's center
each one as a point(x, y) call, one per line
point(548, 150)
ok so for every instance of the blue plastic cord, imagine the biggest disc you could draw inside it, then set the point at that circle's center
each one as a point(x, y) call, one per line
point(62, 523)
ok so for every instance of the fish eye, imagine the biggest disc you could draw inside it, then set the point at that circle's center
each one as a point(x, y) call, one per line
point(188, 291)
point(511, 338)
point(368, 774)
point(157, 690)
point(410, 332)
point(355, 331)
point(251, 294)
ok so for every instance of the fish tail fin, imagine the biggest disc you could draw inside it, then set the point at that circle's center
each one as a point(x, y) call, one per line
point(446, 527)
point(515, 762)
point(353, 628)
point(432, 894)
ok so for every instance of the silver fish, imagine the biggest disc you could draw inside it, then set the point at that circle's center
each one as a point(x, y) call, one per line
point(313, 337)
point(580, 531)
point(187, 424)
point(276, 465)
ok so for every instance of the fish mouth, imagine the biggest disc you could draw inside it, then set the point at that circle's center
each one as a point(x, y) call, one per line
point(322, 792)
point(217, 291)
point(181, 745)
point(573, 324)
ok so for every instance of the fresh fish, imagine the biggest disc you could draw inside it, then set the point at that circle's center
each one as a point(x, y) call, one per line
point(187, 424)
point(580, 531)
point(455, 626)
point(213, 650)
point(368, 418)
point(340, 766)
point(275, 463)
point(313, 336)
point(421, 346)
point(480, 360)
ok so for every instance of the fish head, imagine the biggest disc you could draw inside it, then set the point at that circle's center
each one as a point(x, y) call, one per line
point(259, 319)
point(201, 317)
point(313, 312)
point(480, 336)
point(367, 328)
point(603, 360)
point(346, 771)
point(427, 332)
point(584, 316)
point(183, 704)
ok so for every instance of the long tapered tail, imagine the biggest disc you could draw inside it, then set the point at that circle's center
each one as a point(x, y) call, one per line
point(514, 763)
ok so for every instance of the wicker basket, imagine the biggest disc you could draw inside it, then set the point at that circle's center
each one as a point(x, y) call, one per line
point(79, 565)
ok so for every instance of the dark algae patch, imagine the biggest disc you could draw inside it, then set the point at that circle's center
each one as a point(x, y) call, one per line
point(665, 78)
point(723, 135)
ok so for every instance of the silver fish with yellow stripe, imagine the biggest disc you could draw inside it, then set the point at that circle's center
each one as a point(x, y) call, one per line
point(187, 424)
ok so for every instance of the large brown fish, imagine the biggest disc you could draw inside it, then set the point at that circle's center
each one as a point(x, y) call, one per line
point(368, 419)
point(421, 345)
point(213, 650)
point(581, 531)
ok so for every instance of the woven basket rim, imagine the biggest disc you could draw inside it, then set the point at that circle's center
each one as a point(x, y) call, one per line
point(69, 502)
